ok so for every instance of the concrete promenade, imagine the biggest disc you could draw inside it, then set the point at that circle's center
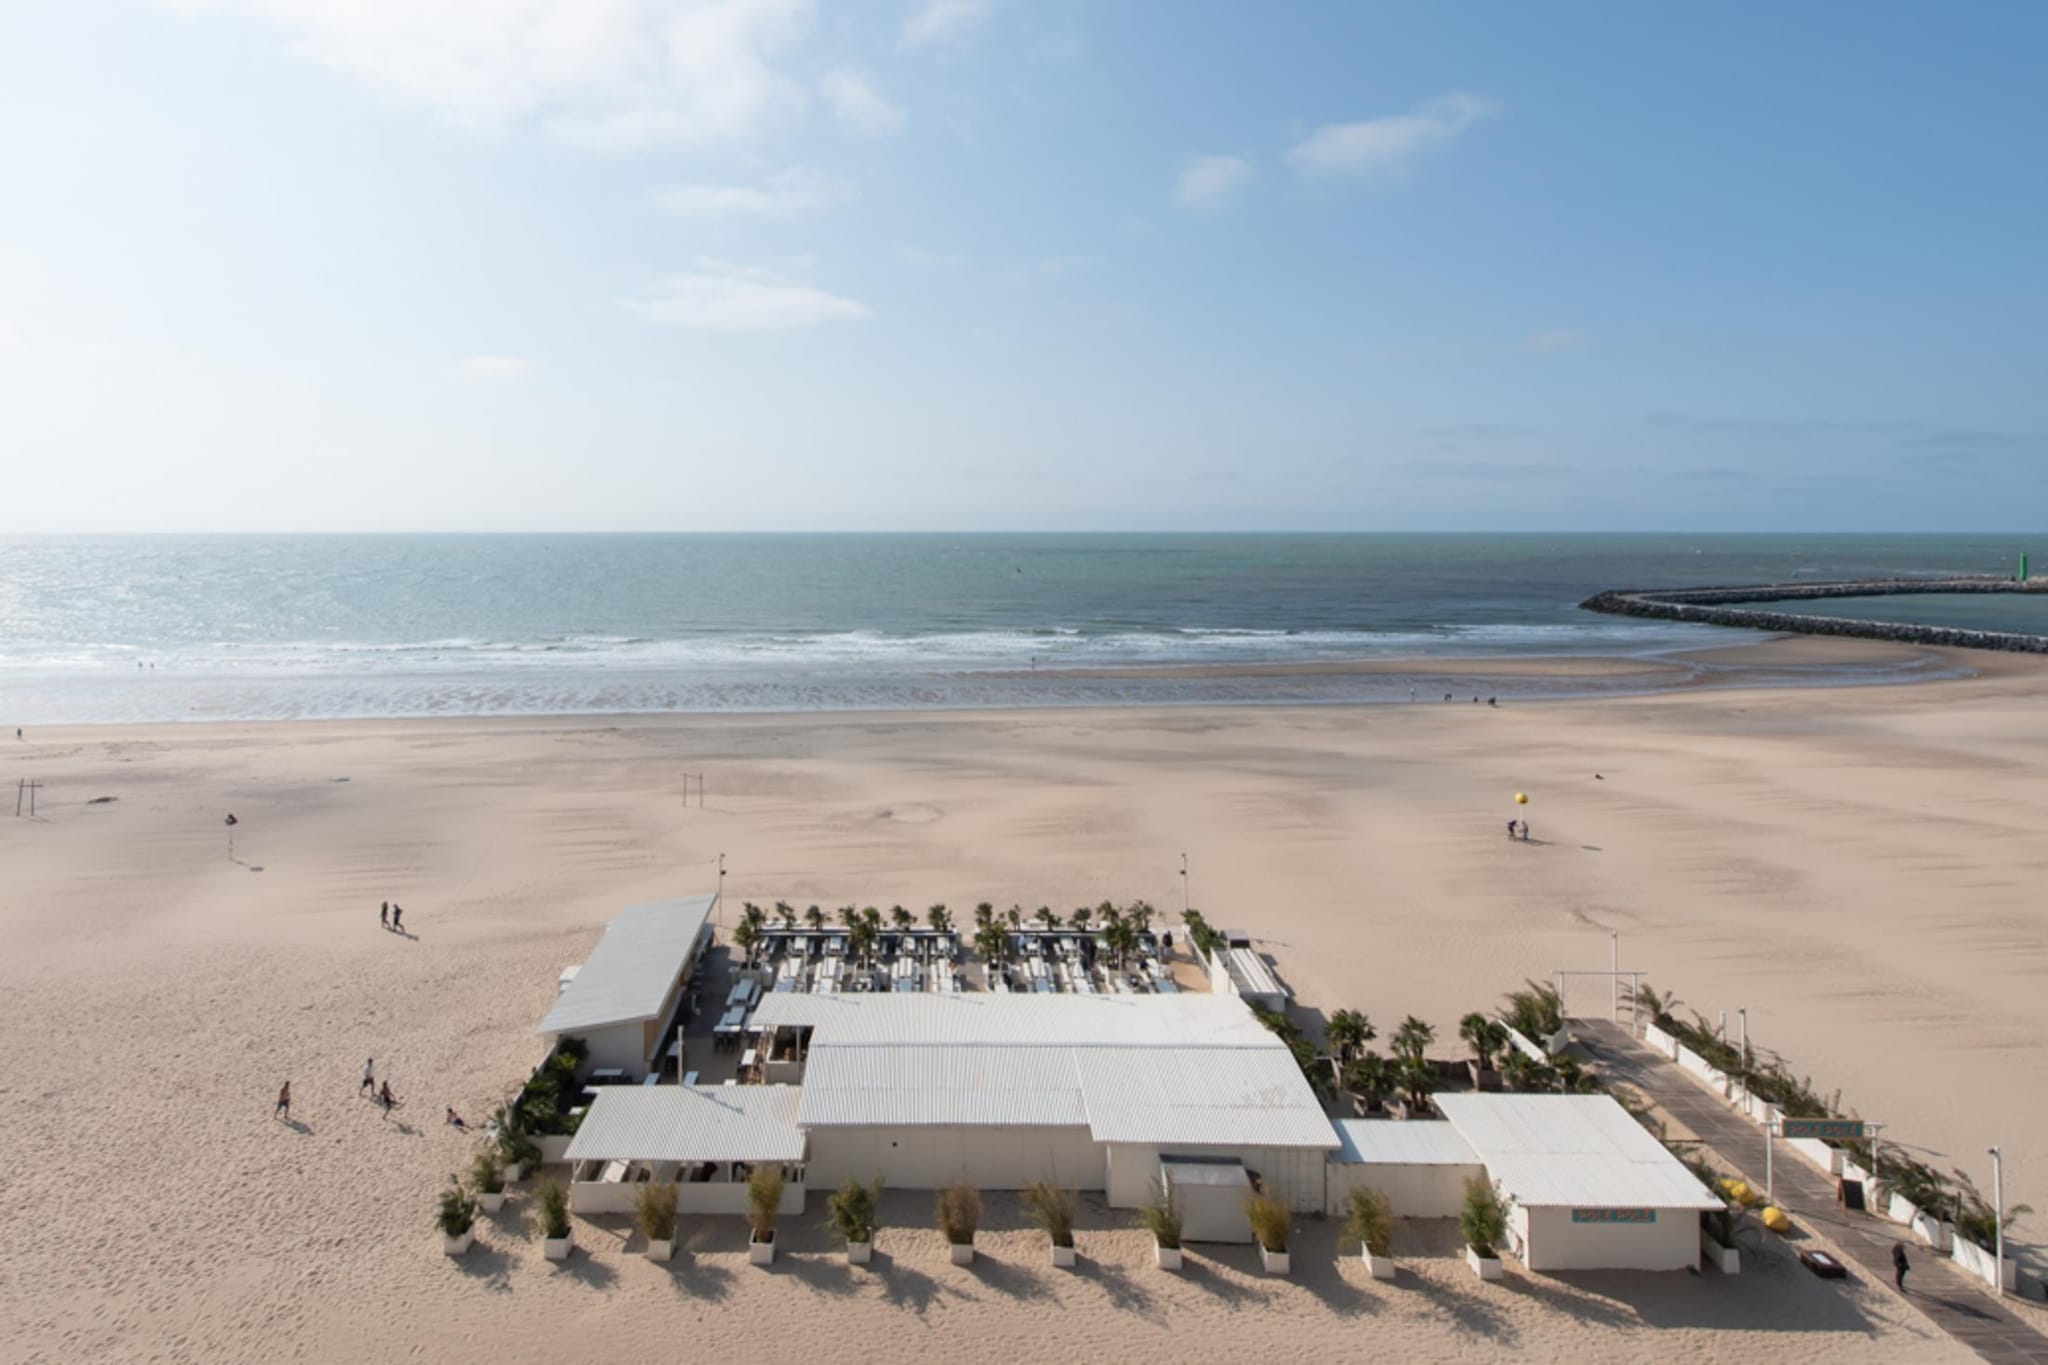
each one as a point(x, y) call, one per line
point(1951, 1299)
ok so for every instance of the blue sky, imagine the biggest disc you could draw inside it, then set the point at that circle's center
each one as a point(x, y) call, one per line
point(978, 264)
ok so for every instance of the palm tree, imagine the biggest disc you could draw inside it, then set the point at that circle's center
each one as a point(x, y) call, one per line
point(1573, 1078)
point(1418, 1079)
point(1348, 1031)
point(872, 918)
point(1518, 1071)
point(1081, 916)
point(1369, 1078)
point(939, 919)
point(1051, 920)
point(901, 919)
point(1485, 1036)
point(786, 912)
point(1413, 1038)
point(993, 944)
point(1016, 914)
point(848, 916)
point(815, 918)
point(1657, 1006)
point(746, 937)
point(1139, 913)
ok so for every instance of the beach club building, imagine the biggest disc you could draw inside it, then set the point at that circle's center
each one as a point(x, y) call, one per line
point(623, 999)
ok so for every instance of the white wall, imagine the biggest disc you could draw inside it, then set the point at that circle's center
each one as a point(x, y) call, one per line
point(930, 1158)
point(1412, 1191)
point(620, 1046)
point(1552, 1241)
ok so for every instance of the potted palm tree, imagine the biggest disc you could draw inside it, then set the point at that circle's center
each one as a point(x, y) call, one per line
point(516, 1149)
point(1052, 1208)
point(764, 1196)
point(1347, 1033)
point(1270, 1225)
point(1483, 1222)
point(959, 1214)
point(456, 1217)
point(487, 1176)
point(1371, 1224)
point(654, 1211)
point(1368, 1079)
point(1485, 1037)
point(855, 1212)
point(556, 1238)
point(1418, 1079)
point(1162, 1219)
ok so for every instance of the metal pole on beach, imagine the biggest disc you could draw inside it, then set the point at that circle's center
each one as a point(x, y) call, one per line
point(1614, 1010)
point(1742, 1014)
point(721, 890)
point(1998, 1219)
point(1183, 887)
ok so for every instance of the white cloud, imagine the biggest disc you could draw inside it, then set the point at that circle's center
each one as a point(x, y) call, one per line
point(792, 193)
point(1385, 145)
point(858, 105)
point(1210, 184)
point(603, 73)
point(1551, 342)
point(718, 297)
point(945, 23)
point(491, 369)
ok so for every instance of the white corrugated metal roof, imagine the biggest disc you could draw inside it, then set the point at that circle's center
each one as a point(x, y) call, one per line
point(1572, 1151)
point(1384, 1142)
point(690, 1123)
point(941, 1083)
point(1254, 977)
point(634, 966)
point(1230, 1096)
point(1189, 1019)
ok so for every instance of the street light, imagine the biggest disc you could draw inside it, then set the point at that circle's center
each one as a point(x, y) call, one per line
point(1998, 1219)
point(1183, 886)
point(721, 889)
point(1742, 1017)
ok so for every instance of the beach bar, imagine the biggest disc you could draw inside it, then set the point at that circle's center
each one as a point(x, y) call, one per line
point(623, 998)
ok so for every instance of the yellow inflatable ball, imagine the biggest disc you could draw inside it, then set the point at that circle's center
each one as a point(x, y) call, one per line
point(1774, 1218)
point(1521, 798)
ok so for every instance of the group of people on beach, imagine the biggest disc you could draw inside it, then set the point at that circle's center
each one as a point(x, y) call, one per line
point(379, 1092)
point(392, 916)
point(1518, 829)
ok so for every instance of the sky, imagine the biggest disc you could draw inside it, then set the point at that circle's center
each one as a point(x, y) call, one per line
point(1021, 264)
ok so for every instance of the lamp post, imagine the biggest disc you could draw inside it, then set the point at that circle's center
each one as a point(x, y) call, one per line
point(1742, 1018)
point(1614, 981)
point(1183, 886)
point(1998, 1220)
point(721, 890)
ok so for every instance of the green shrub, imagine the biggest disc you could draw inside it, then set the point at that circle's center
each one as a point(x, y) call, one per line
point(1270, 1220)
point(456, 1213)
point(654, 1211)
point(1161, 1217)
point(855, 1210)
point(764, 1194)
point(1052, 1208)
point(959, 1213)
point(553, 1200)
point(487, 1171)
point(1483, 1221)
point(1371, 1222)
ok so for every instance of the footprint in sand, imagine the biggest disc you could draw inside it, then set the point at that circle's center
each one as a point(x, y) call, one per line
point(916, 813)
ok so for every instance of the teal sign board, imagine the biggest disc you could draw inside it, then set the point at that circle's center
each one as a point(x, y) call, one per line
point(1836, 1130)
point(1614, 1215)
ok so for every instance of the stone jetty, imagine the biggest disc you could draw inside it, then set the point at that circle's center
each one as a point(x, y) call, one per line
point(1732, 606)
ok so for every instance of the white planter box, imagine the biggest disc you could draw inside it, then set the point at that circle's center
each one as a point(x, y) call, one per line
point(1166, 1257)
point(962, 1253)
point(455, 1246)
point(557, 1248)
point(1661, 1041)
point(859, 1253)
point(1701, 1070)
point(1817, 1154)
point(490, 1203)
point(1379, 1267)
point(760, 1252)
point(1485, 1267)
point(1723, 1258)
point(1982, 1264)
point(554, 1147)
point(1900, 1210)
point(1273, 1262)
point(514, 1173)
point(663, 1252)
point(1931, 1230)
point(1062, 1256)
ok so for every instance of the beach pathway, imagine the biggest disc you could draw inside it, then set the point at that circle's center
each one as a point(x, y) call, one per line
point(1946, 1295)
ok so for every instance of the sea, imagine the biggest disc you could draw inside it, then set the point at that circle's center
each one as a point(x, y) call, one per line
point(285, 627)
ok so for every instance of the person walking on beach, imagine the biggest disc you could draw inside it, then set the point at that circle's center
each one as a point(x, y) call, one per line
point(1525, 831)
point(384, 1097)
point(398, 917)
point(369, 1078)
point(1900, 1265)
point(1511, 829)
point(284, 1103)
point(384, 914)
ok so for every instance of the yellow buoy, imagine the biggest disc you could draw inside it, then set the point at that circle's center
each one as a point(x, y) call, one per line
point(1521, 798)
point(1774, 1218)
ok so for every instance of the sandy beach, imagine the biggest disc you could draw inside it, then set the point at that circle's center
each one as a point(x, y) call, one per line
point(1858, 867)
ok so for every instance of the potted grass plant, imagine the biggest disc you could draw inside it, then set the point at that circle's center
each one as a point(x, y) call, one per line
point(1371, 1222)
point(764, 1198)
point(456, 1217)
point(1162, 1219)
point(1483, 1222)
point(516, 1150)
point(1052, 1208)
point(557, 1241)
point(959, 1214)
point(1270, 1225)
point(487, 1178)
point(855, 1211)
point(654, 1211)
